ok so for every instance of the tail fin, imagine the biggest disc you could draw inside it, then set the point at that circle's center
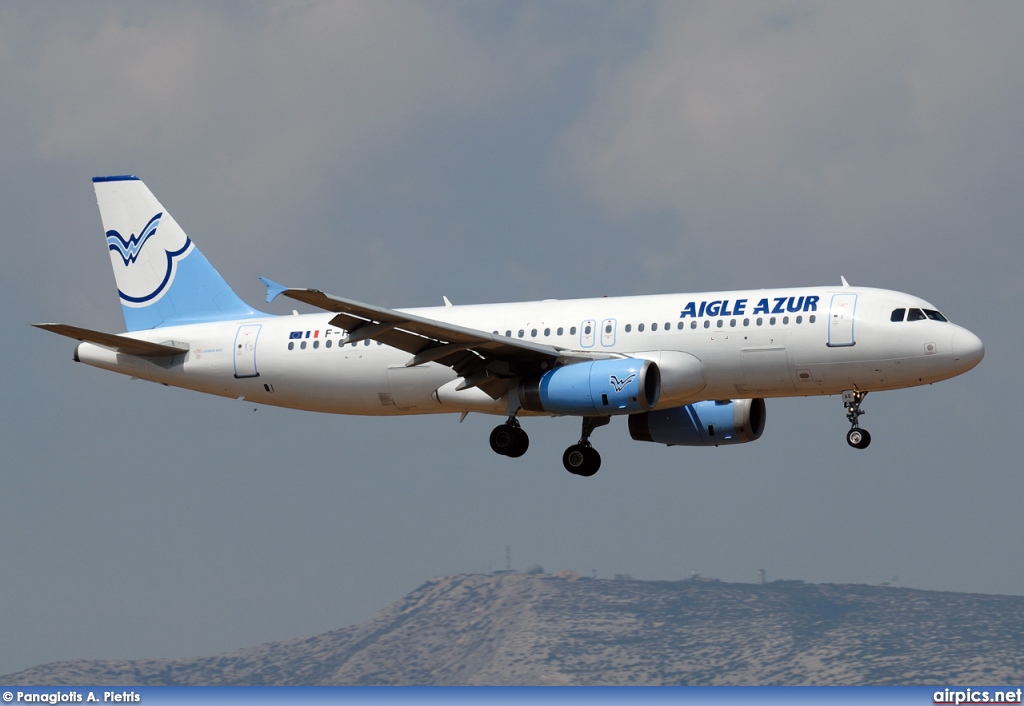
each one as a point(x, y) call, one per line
point(162, 278)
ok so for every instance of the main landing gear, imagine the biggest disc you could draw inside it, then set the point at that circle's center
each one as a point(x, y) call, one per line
point(857, 438)
point(582, 459)
point(509, 439)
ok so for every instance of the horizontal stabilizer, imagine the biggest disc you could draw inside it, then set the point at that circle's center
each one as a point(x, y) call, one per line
point(121, 344)
point(273, 288)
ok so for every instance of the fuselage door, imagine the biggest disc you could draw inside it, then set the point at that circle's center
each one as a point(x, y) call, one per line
point(840, 320)
point(608, 333)
point(587, 333)
point(245, 350)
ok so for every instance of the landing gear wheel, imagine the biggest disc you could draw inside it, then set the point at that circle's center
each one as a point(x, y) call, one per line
point(858, 438)
point(508, 440)
point(520, 444)
point(502, 439)
point(581, 460)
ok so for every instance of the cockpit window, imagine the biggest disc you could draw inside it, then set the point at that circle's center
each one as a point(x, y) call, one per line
point(915, 315)
point(897, 314)
point(934, 315)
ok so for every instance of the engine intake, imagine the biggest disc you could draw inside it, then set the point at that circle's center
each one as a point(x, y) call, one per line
point(598, 387)
point(709, 423)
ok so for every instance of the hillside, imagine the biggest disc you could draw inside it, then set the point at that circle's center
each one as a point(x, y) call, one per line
point(563, 629)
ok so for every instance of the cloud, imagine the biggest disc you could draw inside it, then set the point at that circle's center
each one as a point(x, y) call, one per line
point(819, 122)
point(300, 85)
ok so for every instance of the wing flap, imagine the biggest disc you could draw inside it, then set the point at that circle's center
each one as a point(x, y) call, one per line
point(415, 334)
point(115, 342)
point(483, 359)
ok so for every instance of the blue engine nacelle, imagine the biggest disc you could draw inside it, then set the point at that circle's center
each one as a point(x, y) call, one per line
point(598, 387)
point(710, 423)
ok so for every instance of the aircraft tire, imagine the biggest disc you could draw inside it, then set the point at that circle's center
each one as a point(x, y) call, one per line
point(858, 438)
point(520, 443)
point(581, 460)
point(503, 439)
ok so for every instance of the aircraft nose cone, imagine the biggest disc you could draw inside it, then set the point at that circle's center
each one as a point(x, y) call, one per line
point(968, 350)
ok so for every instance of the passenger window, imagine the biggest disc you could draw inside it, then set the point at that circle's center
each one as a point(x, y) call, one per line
point(915, 315)
point(302, 345)
point(771, 321)
point(640, 328)
point(587, 330)
point(572, 331)
point(533, 333)
point(934, 315)
point(508, 334)
point(785, 319)
point(291, 345)
point(367, 342)
point(799, 319)
point(608, 328)
point(693, 324)
point(897, 314)
point(316, 344)
point(746, 322)
point(327, 343)
point(720, 323)
point(759, 321)
point(668, 326)
point(547, 332)
point(707, 324)
point(521, 333)
point(732, 323)
point(654, 327)
point(559, 332)
point(810, 319)
point(629, 327)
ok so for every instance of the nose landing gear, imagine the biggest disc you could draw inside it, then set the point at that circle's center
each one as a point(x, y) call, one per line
point(857, 438)
point(581, 458)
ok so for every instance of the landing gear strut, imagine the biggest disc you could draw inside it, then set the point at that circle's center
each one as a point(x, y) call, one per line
point(857, 438)
point(582, 459)
point(509, 439)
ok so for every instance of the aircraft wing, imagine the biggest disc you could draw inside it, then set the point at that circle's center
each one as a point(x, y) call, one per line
point(483, 359)
point(115, 342)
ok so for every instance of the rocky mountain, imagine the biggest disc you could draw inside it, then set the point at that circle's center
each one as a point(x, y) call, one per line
point(564, 629)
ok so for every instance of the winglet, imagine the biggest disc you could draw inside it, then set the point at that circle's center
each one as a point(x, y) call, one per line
point(273, 289)
point(845, 283)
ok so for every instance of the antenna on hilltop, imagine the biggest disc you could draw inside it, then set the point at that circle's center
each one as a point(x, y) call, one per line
point(762, 578)
point(508, 558)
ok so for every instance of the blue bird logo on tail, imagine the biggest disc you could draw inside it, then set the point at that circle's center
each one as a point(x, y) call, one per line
point(619, 385)
point(140, 285)
point(129, 249)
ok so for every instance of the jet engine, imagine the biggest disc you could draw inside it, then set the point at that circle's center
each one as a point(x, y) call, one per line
point(709, 423)
point(598, 387)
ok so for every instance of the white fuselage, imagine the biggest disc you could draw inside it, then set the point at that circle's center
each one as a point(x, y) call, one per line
point(755, 343)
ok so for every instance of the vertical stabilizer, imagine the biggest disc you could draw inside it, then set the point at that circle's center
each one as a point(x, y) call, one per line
point(162, 278)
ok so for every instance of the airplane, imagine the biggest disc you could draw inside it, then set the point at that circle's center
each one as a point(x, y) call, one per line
point(684, 369)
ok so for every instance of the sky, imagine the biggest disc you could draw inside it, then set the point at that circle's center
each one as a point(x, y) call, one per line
point(398, 152)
